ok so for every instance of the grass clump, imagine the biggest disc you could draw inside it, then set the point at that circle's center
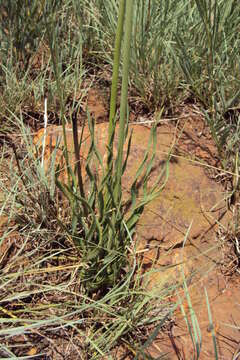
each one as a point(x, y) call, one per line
point(100, 227)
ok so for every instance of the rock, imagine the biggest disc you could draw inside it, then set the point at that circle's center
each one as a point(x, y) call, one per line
point(189, 196)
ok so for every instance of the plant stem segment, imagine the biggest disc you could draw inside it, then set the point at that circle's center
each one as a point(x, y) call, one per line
point(116, 62)
point(124, 94)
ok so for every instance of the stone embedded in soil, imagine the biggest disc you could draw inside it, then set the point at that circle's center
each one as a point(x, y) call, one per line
point(190, 202)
